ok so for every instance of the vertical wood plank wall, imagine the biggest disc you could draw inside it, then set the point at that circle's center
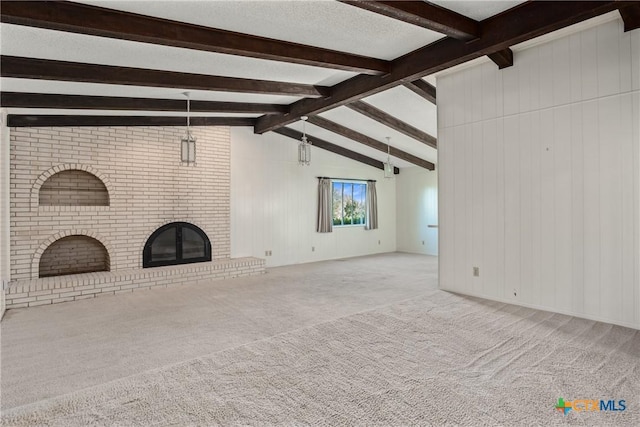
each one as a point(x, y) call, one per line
point(539, 177)
point(274, 203)
point(5, 267)
point(417, 211)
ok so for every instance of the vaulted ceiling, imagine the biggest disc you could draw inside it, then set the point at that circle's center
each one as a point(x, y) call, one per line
point(361, 70)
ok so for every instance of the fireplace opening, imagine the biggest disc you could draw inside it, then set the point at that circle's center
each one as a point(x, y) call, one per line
point(176, 243)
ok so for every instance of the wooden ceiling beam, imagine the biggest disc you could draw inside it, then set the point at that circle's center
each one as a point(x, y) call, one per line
point(523, 22)
point(502, 58)
point(98, 21)
point(424, 89)
point(631, 16)
point(45, 120)
point(424, 14)
point(392, 122)
point(83, 102)
point(46, 69)
point(368, 141)
point(341, 151)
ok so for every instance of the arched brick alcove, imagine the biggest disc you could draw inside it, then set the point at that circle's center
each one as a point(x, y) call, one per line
point(73, 254)
point(71, 184)
point(95, 246)
point(73, 188)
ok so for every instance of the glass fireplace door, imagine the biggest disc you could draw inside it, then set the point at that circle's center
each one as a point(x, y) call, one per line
point(176, 243)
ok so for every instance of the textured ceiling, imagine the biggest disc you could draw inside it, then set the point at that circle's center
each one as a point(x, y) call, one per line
point(477, 9)
point(328, 24)
point(19, 40)
point(323, 23)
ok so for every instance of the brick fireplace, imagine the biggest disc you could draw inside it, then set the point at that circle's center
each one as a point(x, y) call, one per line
point(87, 200)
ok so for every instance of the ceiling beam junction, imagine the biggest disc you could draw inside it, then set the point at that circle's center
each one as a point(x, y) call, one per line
point(502, 58)
point(424, 14)
point(631, 16)
point(523, 22)
point(424, 89)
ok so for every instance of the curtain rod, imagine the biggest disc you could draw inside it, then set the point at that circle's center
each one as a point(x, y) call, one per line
point(346, 179)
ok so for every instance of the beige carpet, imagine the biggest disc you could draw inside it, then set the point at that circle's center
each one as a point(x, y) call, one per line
point(434, 359)
point(57, 349)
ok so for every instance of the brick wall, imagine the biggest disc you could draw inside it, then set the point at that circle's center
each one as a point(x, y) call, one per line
point(73, 188)
point(148, 186)
point(73, 255)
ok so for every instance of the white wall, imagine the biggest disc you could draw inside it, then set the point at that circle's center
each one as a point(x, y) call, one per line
point(5, 268)
point(417, 209)
point(539, 181)
point(274, 203)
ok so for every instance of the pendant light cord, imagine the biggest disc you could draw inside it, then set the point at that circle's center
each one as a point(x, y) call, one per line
point(188, 115)
point(304, 128)
point(388, 151)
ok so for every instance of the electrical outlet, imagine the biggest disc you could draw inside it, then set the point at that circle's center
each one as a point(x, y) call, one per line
point(378, 241)
point(476, 271)
point(515, 294)
point(423, 243)
point(313, 248)
point(266, 253)
point(270, 253)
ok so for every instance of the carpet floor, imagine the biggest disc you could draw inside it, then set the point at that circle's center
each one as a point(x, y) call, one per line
point(433, 359)
point(57, 349)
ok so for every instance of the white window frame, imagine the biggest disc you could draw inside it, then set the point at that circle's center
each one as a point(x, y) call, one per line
point(349, 181)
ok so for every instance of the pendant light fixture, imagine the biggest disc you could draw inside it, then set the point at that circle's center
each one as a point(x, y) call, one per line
point(388, 166)
point(188, 143)
point(304, 147)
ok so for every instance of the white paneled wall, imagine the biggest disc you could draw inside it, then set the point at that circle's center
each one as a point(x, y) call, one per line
point(417, 210)
point(274, 203)
point(5, 268)
point(539, 181)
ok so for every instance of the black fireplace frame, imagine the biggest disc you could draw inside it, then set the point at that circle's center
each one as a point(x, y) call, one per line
point(179, 226)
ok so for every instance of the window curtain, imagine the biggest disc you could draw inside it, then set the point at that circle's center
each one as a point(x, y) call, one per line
point(372, 206)
point(325, 216)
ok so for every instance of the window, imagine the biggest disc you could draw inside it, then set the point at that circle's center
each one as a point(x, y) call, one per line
point(349, 203)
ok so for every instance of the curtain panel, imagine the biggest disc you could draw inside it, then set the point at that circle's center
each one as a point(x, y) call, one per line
point(372, 206)
point(325, 215)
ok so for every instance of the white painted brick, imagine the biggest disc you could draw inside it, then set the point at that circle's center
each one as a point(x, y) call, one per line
point(148, 187)
point(144, 185)
point(104, 294)
point(24, 304)
point(37, 303)
point(39, 293)
point(13, 301)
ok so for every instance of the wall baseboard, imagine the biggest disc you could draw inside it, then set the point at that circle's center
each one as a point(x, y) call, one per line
point(543, 308)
